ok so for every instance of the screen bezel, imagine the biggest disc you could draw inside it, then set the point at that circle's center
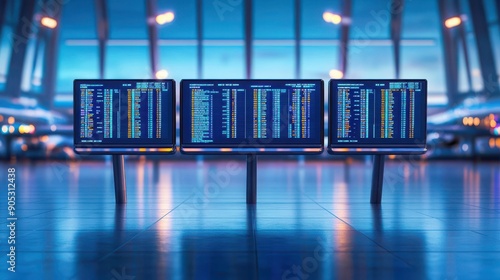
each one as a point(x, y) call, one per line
point(123, 149)
point(250, 147)
point(419, 147)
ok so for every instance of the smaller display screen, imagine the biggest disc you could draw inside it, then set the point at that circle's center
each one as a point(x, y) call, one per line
point(386, 114)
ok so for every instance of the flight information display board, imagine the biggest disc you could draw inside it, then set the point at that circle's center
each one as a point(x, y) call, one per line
point(257, 116)
point(377, 116)
point(124, 116)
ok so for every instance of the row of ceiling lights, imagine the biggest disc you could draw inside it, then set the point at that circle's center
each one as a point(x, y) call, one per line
point(328, 17)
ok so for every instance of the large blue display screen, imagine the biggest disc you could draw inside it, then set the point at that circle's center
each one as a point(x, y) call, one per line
point(128, 115)
point(259, 115)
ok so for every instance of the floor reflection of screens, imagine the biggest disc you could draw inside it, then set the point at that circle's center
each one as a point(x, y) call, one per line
point(124, 116)
point(377, 116)
point(267, 116)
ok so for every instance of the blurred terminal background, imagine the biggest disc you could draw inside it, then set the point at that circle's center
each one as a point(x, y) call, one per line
point(46, 44)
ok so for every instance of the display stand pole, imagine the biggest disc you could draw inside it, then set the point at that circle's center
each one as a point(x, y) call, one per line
point(377, 179)
point(251, 179)
point(156, 170)
point(119, 175)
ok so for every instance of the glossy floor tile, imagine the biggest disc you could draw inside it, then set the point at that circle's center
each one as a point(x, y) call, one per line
point(313, 220)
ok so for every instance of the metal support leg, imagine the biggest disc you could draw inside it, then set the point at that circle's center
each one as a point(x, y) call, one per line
point(119, 174)
point(377, 179)
point(251, 179)
point(156, 171)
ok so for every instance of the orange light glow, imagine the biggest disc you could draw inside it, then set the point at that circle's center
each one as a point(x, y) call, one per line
point(493, 123)
point(11, 120)
point(468, 121)
point(48, 22)
point(332, 18)
point(336, 74)
point(477, 121)
point(492, 143)
point(162, 74)
point(24, 147)
point(165, 18)
point(453, 22)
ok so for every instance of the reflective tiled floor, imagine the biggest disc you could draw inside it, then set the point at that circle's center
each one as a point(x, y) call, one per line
point(313, 220)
